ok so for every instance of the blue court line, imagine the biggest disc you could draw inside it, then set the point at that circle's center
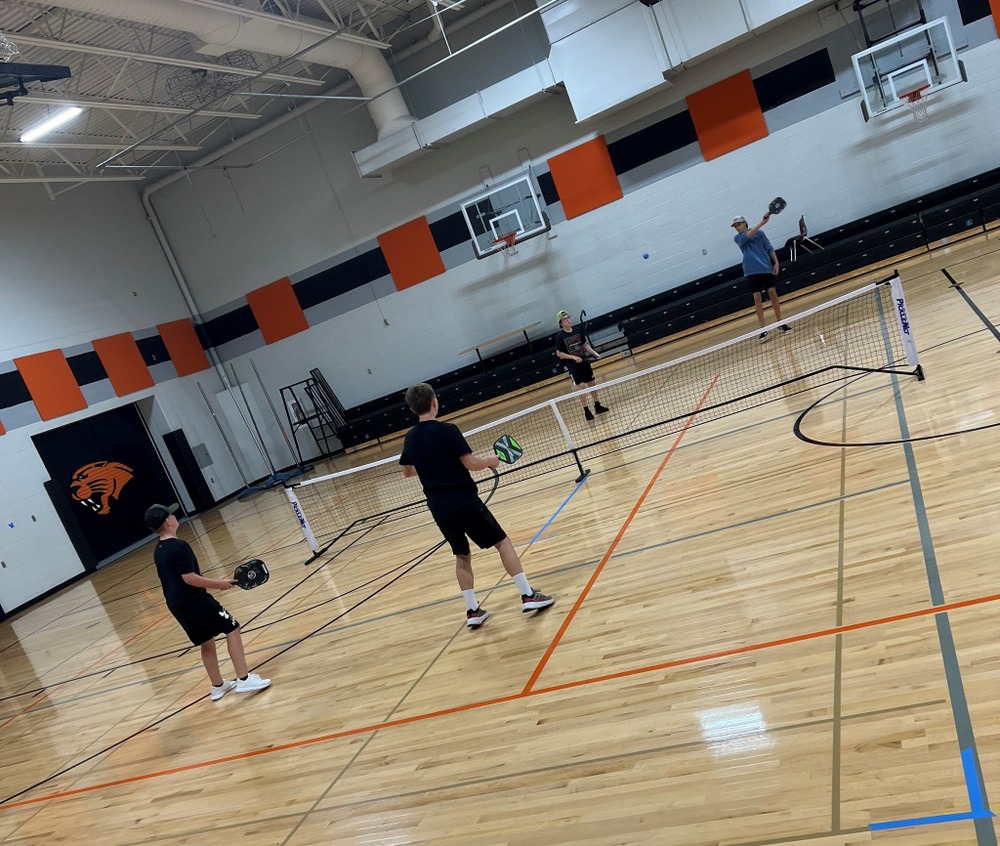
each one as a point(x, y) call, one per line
point(979, 814)
point(560, 508)
point(978, 811)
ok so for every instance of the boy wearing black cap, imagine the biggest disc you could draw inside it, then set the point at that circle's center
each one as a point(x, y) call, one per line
point(198, 612)
point(571, 347)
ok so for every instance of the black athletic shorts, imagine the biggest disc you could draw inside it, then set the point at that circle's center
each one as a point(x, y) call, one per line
point(470, 521)
point(203, 618)
point(758, 283)
point(581, 373)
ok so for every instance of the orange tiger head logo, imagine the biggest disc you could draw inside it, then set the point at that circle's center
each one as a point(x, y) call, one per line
point(97, 485)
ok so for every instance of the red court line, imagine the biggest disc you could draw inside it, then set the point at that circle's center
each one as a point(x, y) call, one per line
point(83, 672)
point(614, 544)
point(472, 706)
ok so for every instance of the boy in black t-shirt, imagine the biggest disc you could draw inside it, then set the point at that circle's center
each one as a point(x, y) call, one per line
point(438, 453)
point(572, 347)
point(198, 612)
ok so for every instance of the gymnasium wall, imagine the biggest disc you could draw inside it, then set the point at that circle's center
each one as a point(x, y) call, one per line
point(86, 266)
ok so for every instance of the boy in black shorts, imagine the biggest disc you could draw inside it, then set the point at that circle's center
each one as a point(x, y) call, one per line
point(572, 347)
point(760, 267)
point(199, 614)
point(438, 453)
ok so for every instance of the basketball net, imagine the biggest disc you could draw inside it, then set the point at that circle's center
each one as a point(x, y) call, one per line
point(918, 105)
point(507, 245)
point(8, 49)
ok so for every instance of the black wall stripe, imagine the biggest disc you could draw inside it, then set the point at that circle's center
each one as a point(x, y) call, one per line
point(341, 278)
point(13, 391)
point(450, 231)
point(152, 350)
point(230, 326)
point(795, 79)
point(650, 143)
point(87, 368)
point(547, 185)
point(974, 10)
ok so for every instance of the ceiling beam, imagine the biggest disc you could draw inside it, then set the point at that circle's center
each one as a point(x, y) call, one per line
point(120, 105)
point(25, 180)
point(111, 145)
point(304, 26)
point(71, 47)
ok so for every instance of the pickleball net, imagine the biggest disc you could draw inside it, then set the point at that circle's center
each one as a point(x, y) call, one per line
point(867, 330)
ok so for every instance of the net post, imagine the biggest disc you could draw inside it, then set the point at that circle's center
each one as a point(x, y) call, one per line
point(905, 329)
point(303, 523)
point(569, 442)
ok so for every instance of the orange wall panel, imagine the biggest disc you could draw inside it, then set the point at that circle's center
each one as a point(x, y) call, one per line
point(277, 311)
point(727, 116)
point(3, 431)
point(51, 383)
point(585, 178)
point(995, 8)
point(123, 362)
point(183, 346)
point(411, 253)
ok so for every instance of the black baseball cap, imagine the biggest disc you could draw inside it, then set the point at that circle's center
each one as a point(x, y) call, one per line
point(156, 515)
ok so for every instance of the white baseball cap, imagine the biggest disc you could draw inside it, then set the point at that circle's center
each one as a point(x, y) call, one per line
point(738, 219)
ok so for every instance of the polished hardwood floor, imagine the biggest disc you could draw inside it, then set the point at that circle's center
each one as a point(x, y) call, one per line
point(756, 641)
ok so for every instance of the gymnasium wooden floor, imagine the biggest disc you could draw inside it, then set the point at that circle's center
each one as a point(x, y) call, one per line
point(756, 641)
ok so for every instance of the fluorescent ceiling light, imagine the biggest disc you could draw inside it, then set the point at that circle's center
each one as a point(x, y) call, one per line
point(57, 120)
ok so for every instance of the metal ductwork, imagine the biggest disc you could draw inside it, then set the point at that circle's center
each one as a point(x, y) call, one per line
point(221, 32)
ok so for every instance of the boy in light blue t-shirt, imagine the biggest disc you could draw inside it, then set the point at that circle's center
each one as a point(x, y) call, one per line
point(760, 266)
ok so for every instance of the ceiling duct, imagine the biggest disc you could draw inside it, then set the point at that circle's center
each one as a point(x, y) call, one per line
point(219, 32)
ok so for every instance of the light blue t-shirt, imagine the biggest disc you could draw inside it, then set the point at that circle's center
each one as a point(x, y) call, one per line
point(756, 252)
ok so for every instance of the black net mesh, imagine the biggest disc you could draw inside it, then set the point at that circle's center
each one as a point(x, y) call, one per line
point(859, 332)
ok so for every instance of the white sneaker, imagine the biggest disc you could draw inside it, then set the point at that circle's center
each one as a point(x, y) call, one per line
point(251, 683)
point(222, 690)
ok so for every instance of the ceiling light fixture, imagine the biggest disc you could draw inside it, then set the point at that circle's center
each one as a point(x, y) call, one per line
point(57, 120)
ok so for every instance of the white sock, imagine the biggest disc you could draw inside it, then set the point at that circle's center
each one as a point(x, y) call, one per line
point(470, 599)
point(521, 581)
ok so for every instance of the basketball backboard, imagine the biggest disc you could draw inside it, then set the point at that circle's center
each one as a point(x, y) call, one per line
point(14, 78)
point(922, 58)
point(515, 207)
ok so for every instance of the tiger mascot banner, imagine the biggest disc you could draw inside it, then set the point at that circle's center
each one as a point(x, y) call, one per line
point(108, 471)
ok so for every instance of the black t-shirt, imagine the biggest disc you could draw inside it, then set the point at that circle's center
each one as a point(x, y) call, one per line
point(174, 557)
point(571, 343)
point(435, 449)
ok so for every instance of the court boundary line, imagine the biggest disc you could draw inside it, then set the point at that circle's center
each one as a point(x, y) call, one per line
point(567, 621)
point(689, 660)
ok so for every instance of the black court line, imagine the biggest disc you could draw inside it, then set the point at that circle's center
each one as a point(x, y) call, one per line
point(419, 559)
point(971, 304)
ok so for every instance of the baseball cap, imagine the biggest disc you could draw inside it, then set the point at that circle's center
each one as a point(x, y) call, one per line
point(738, 219)
point(560, 315)
point(156, 514)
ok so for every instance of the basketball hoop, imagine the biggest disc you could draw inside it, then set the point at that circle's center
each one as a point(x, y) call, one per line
point(917, 103)
point(8, 49)
point(507, 245)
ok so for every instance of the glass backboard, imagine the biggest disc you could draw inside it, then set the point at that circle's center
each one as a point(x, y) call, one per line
point(922, 58)
point(515, 207)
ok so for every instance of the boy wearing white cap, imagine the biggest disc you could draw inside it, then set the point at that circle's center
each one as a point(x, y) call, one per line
point(572, 347)
point(760, 266)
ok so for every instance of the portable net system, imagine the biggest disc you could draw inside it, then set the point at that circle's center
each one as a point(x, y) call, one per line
point(867, 330)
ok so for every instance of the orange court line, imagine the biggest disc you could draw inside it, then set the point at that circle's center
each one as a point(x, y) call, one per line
point(472, 706)
point(614, 544)
point(83, 672)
